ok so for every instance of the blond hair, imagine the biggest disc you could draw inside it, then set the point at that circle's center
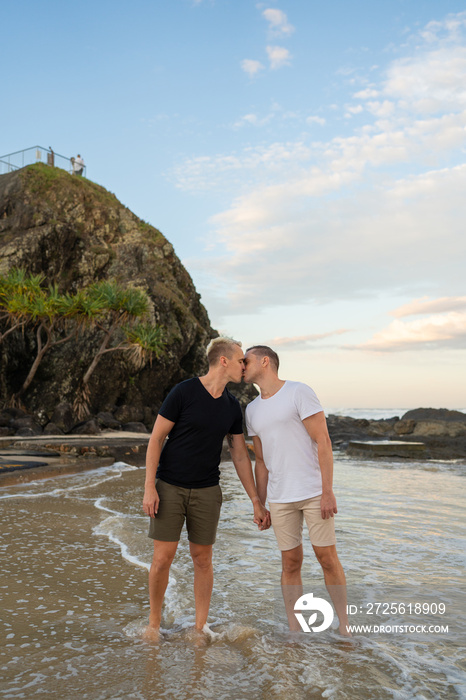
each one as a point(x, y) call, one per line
point(221, 347)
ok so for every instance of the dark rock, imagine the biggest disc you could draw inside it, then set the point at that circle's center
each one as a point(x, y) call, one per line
point(28, 432)
point(404, 426)
point(106, 420)
point(63, 417)
point(41, 418)
point(26, 422)
point(387, 448)
point(243, 392)
point(380, 428)
point(9, 414)
point(435, 414)
point(129, 414)
point(135, 427)
point(149, 417)
point(435, 428)
point(443, 439)
point(5, 419)
point(90, 427)
point(52, 429)
point(5, 431)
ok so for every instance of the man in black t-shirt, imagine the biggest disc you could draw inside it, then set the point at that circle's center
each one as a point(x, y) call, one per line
point(182, 479)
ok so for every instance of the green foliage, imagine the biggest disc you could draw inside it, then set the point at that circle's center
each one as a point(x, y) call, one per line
point(122, 304)
point(145, 341)
point(25, 299)
point(42, 181)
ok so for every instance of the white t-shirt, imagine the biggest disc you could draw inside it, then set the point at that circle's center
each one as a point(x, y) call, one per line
point(289, 453)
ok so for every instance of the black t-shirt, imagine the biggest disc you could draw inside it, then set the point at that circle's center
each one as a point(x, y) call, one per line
point(191, 455)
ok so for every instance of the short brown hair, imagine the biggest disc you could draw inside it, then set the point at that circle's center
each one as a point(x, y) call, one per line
point(221, 347)
point(265, 351)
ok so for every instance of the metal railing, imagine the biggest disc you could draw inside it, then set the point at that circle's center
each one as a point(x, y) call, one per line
point(39, 154)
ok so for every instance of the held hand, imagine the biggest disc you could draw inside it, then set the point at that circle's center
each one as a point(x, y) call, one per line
point(261, 516)
point(328, 505)
point(151, 501)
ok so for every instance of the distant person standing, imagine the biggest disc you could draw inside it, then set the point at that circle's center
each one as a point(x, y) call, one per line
point(78, 165)
point(294, 469)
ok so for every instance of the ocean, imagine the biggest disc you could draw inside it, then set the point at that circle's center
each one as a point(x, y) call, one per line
point(74, 602)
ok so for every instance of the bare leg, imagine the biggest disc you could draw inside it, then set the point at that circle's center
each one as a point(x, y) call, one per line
point(292, 585)
point(164, 553)
point(335, 582)
point(203, 580)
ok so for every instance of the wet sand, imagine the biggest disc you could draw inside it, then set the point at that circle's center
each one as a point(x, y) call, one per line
point(74, 604)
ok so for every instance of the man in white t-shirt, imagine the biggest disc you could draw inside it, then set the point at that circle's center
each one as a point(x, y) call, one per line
point(78, 165)
point(294, 471)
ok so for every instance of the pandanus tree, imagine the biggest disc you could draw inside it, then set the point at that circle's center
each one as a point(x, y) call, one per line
point(15, 288)
point(119, 315)
point(25, 301)
point(118, 311)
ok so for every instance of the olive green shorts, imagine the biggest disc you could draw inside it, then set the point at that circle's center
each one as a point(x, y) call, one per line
point(199, 507)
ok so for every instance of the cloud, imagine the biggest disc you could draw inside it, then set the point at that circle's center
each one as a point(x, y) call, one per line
point(278, 22)
point(251, 67)
point(429, 306)
point(314, 239)
point(316, 120)
point(301, 341)
point(353, 109)
point(367, 93)
point(278, 57)
point(378, 209)
point(430, 82)
point(437, 331)
point(205, 172)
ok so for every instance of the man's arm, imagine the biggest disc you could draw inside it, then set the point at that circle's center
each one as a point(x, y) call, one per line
point(242, 462)
point(162, 427)
point(316, 426)
point(260, 470)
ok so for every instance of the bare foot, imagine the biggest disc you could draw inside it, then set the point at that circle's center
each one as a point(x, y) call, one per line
point(151, 634)
point(198, 637)
point(344, 631)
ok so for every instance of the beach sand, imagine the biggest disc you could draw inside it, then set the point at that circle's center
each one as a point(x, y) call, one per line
point(74, 603)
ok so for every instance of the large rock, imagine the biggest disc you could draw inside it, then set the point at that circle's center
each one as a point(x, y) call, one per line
point(432, 428)
point(76, 232)
point(63, 417)
point(435, 414)
point(442, 432)
point(129, 414)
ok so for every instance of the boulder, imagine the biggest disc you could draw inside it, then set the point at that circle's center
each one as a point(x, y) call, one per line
point(135, 427)
point(106, 420)
point(90, 427)
point(28, 432)
point(129, 414)
point(52, 429)
point(63, 417)
point(404, 426)
point(26, 423)
point(446, 429)
point(435, 414)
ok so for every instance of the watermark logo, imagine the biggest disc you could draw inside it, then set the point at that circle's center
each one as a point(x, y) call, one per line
point(308, 603)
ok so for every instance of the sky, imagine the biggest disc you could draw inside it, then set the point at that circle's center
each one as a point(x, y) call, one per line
point(306, 159)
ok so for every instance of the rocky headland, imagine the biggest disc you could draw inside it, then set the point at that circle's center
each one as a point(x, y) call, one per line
point(76, 233)
point(441, 432)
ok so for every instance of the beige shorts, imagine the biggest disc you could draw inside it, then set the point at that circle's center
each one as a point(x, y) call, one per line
point(287, 523)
